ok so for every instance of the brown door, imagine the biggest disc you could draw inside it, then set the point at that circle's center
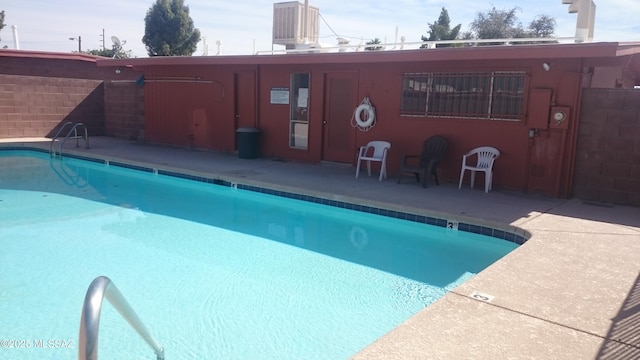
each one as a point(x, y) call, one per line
point(199, 132)
point(545, 160)
point(245, 99)
point(546, 145)
point(340, 102)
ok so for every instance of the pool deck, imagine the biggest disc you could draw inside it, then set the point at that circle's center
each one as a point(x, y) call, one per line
point(571, 292)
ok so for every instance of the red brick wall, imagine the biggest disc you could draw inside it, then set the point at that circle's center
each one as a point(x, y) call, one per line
point(124, 110)
point(608, 149)
point(34, 106)
point(41, 91)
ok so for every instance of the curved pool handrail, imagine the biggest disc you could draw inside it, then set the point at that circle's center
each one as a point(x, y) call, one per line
point(74, 131)
point(100, 288)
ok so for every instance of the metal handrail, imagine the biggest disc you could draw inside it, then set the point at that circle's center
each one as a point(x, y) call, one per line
point(100, 288)
point(57, 135)
point(413, 45)
point(73, 130)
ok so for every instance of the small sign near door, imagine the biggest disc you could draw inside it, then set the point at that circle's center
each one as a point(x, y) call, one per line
point(280, 96)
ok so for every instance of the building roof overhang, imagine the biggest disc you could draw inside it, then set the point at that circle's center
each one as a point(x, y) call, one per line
point(48, 55)
point(538, 51)
point(626, 54)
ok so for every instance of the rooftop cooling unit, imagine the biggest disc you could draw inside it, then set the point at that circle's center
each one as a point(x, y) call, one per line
point(289, 24)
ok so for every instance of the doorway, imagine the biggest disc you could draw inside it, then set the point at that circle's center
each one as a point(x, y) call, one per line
point(338, 143)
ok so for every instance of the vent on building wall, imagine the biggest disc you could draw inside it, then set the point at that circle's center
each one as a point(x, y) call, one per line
point(290, 25)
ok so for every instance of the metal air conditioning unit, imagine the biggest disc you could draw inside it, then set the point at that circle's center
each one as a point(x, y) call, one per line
point(293, 26)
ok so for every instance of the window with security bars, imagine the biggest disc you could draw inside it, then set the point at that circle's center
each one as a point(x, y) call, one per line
point(474, 95)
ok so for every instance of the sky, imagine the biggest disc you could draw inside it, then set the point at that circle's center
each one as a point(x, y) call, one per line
point(243, 27)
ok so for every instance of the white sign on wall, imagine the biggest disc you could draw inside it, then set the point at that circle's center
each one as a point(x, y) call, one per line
point(280, 96)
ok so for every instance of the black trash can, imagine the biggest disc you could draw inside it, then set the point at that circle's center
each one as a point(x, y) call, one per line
point(248, 140)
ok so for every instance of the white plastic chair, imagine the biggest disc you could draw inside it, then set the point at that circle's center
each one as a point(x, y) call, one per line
point(374, 151)
point(486, 155)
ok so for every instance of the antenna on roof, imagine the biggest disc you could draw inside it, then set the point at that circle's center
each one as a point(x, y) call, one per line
point(117, 45)
point(16, 43)
point(205, 46)
point(116, 42)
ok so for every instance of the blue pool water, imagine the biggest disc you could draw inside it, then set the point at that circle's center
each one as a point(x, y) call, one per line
point(213, 271)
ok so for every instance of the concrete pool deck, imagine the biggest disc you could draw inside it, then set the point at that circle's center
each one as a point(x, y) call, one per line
point(571, 292)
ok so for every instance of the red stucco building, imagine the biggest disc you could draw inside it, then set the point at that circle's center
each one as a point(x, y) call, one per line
point(303, 104)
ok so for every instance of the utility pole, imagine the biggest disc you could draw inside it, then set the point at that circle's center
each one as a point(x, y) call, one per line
point(79, 42)
point(103, 47)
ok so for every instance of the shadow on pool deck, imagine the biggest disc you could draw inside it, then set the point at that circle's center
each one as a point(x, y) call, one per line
point(571, 292)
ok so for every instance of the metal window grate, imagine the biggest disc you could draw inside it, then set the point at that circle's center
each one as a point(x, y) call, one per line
point(476, 95)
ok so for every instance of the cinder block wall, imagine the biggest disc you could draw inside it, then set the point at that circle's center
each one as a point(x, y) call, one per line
point(34, 106)
point(41, 91)
point(124, 110)
point(608, 150)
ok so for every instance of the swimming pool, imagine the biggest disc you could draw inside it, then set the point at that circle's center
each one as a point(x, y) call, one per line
point(213, 271)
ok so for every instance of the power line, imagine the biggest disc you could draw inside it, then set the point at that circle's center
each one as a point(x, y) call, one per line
point(329, 26)
point(43, 41)
point(335, 33)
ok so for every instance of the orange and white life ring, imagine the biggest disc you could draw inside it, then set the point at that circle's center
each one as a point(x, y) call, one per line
point(364, 115)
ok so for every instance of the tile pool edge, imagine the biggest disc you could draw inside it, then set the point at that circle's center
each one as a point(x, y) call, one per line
point(455, 223)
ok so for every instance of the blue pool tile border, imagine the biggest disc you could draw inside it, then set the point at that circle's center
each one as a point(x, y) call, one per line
point(127, 166)
point(462, 226)
point(422, 219)
point(194, 177)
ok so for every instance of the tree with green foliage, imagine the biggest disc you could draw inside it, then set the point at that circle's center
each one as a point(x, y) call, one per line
point(1, 20)
point(542, 26)
point(496, 24)
point(114, 52)
point(373, 42)
point(441, 30)
point(504, 24)
point(169, 30)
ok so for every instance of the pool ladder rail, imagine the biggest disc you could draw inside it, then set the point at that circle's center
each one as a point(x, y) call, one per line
point(100, 288)
point(72, 134)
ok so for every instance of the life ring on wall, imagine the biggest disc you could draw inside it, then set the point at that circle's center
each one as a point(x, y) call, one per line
point(370, 116)
point(364, 117)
